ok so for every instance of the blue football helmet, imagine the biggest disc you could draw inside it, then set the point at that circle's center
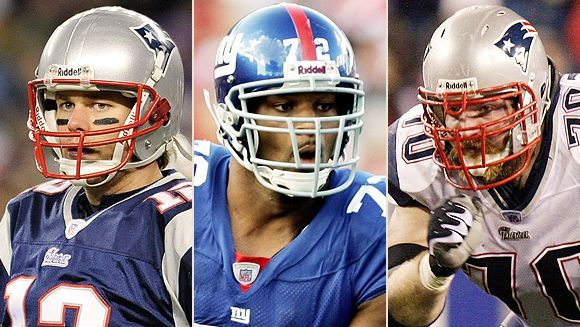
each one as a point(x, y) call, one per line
point(286, 49)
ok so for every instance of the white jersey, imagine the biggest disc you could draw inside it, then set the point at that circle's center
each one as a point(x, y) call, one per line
point(530, 253)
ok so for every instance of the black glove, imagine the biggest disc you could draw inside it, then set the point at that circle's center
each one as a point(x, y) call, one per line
point(454, 232)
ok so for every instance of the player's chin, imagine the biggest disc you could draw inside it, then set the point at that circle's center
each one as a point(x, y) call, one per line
point(96, 180)
point(493, 173)
point(503, 170)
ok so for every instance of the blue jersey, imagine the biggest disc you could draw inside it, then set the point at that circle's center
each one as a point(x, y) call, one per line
point(334, 265)
point(128, 263)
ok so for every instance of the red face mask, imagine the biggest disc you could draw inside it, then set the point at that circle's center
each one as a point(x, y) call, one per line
point(467, 153)
point(145, 117)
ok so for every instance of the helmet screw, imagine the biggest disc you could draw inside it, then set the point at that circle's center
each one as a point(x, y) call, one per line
point(484, 30)
point(147, 144)
point(230, 79)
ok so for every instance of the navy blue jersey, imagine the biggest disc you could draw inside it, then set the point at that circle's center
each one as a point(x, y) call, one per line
point(331, 267)
point(128, 263)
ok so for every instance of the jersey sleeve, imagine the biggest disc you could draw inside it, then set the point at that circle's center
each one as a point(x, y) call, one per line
point(368, 235)
point(370, 272)
point(5, 255)
point(396, 195)
point(177, 265)
point(414, 178)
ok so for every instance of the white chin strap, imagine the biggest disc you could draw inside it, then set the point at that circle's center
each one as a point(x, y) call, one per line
point(493, 157)
point(294, 181)
point(69, 167)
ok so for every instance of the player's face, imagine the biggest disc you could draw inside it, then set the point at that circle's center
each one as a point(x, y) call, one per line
point(79, 111)
point(496, 144)
point(278, 146)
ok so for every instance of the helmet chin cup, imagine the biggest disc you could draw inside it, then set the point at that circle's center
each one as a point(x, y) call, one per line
point(293, 183)
point(85, 182)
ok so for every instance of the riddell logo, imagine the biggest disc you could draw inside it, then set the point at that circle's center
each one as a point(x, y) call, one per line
point(39, 119)
point(69, 72)
point(311, 70)
point(456, 85)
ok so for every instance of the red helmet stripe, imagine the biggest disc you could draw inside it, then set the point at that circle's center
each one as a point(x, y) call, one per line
point(304, 31)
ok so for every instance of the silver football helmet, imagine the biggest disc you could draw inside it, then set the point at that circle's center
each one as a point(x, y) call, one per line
point(108, 49)
point(478, 55)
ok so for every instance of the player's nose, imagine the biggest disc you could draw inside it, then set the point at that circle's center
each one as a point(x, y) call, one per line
point(465, 126)
point(79, 120)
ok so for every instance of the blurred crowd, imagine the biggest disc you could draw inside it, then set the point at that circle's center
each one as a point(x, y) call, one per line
point(25, 27)
point(364, 24)
point(411, 23)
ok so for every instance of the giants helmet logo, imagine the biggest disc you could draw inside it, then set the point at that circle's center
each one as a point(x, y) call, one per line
point(517, 41)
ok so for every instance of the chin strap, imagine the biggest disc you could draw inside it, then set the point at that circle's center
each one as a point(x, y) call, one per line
point(294, 181)
point(68, 167)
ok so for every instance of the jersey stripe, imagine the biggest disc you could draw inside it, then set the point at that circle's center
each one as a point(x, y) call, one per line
point(303, 30)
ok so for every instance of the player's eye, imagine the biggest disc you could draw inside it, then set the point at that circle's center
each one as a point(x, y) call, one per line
point(283, 107)
point(67, 106)
point(324, 107)
point(99, 106)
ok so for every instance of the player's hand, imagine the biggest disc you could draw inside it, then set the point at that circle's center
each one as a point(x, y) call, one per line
point(454, 232)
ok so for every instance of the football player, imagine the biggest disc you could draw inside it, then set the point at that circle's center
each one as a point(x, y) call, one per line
point(287, 232)
point(482, 174)
point(107, 241)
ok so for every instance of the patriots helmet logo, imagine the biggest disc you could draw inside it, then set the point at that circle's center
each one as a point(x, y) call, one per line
point(517, 41)
point(157, 41)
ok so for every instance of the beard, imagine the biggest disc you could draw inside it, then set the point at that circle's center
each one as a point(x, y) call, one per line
point(493, 172)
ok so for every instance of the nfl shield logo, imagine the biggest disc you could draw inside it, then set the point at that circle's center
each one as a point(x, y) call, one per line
point(513, 216)
point(246, 275)
point(245, 272)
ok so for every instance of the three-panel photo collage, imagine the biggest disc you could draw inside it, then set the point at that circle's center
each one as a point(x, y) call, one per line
point(297, 163)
